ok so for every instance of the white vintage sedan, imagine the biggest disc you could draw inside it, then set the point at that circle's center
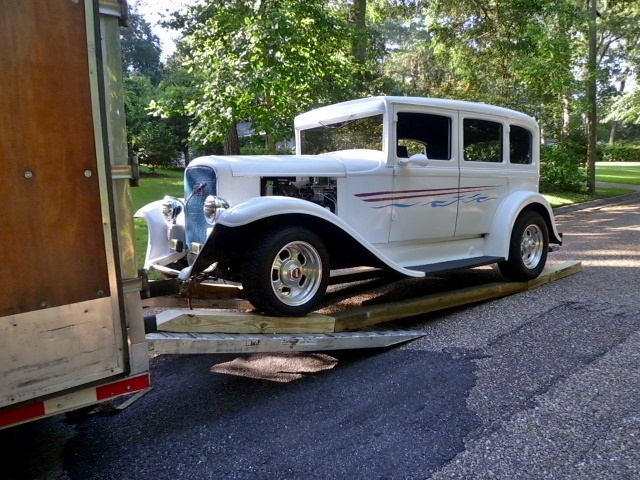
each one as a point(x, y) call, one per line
point(418, 186)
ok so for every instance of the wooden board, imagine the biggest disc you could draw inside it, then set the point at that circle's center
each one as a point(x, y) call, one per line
point(199, 321)
point(205, 295)
point(376, 314)
point(52, 225)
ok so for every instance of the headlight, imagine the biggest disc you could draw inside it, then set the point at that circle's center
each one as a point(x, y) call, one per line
point(211, 206)
point(171, 208)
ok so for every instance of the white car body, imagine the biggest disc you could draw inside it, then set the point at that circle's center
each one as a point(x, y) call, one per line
point(452, 204)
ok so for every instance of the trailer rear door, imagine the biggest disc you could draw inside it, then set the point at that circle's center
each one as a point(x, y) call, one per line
point(59, 311)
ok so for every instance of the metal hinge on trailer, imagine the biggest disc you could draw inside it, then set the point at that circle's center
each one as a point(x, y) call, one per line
point(181, 343)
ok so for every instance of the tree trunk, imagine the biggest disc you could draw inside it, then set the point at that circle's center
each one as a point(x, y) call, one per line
point(615, 124)
point(271, 144)
point(186, 151)
point(614, 132)
point(359, 40)
point(566, 115)
point(592, 114)
point(231, 142)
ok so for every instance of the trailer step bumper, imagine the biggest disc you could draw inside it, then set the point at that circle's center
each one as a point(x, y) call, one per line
point(73, 400)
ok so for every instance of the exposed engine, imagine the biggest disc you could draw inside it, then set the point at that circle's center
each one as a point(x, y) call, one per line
point(322, 191)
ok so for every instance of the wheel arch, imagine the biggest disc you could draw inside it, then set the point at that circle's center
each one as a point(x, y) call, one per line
point(228, 245)
point(507, 214)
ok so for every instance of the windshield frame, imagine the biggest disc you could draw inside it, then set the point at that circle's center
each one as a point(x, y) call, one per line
point(338, 134)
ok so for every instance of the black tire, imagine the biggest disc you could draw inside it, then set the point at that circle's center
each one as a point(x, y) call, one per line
point(285, 273)
point(528, 248)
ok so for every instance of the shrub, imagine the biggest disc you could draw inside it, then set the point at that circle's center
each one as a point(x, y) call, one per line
point(621, 152)
point(563, 167)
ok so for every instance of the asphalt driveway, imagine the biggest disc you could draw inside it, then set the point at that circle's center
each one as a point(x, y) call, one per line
point(539, 385)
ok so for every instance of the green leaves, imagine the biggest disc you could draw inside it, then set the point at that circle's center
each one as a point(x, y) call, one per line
point(262, 62)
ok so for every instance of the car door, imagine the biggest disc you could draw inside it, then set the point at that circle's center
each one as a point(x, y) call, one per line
point(424, 202)
point(484, 171)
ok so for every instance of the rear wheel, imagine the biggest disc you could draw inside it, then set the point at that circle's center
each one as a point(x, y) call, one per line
point(527, 249)
point(286, 272)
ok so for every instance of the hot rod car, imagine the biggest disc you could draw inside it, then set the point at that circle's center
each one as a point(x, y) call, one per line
point(417, 186)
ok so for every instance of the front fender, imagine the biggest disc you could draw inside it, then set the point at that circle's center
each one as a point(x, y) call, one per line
point(505, 217)
point(261, 208)
point(160, 234)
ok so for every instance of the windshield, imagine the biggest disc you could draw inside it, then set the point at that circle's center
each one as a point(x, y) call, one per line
point(348, 135)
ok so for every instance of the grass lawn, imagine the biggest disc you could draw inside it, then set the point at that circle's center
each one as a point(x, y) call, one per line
point(561, 199)
point(153, 187)
point(628, 174)
point(618, 174)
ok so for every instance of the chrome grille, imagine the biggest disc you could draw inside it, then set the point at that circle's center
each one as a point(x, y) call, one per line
point(199, 183)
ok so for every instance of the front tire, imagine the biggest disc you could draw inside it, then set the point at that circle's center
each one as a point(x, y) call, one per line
point(286, 272)
point(528, 248)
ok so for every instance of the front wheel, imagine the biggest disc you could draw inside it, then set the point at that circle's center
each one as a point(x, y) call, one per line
point(286, 272)
point(527, 249)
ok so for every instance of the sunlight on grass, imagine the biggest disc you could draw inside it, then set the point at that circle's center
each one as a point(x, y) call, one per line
point(559, 199)
point(153, 187)
point(618, 174)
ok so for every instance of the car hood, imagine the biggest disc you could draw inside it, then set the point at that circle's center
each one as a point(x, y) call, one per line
point(335, 164)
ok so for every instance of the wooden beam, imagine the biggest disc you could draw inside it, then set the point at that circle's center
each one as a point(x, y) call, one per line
point(376, 314)
point(202, 321)
point(205, 295)
point(178, 301)
point(197, 321)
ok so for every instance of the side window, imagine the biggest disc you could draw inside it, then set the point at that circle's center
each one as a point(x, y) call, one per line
point(423, 133)
point(520, 140)
point(482, 140)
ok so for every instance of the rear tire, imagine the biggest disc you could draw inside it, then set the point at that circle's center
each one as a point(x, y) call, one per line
point(286, 272)
point(528, 248)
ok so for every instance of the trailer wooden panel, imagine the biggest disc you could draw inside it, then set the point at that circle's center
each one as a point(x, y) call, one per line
point(52, 228)
point(69, 317)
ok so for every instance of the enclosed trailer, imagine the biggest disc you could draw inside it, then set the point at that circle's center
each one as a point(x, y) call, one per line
point(71, 327)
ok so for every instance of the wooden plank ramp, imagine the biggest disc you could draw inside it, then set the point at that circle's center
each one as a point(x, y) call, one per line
point(212, 321)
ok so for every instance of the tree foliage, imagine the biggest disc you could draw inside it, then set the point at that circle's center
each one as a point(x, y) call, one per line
point(262, 61)
point(150, 139)
point(141, 48)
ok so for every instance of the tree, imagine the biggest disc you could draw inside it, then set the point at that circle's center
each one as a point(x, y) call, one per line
point(149, 138)
point(592, 98)
point(140, 48)
point(176, 91)
point(517, 54)
point(264, 62)
point(618, 54)
point(626, 108)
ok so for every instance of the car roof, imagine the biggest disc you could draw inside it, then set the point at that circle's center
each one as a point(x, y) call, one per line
point(364, 107)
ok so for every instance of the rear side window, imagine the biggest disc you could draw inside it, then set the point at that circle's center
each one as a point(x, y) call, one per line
point(520, 140)
point(482, 140)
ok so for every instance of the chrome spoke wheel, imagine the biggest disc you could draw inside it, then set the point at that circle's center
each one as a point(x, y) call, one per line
point(532, 245)
point(296, 273)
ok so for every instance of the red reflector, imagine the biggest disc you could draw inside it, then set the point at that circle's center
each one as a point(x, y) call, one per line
point(22, 414)
point(129, 385)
